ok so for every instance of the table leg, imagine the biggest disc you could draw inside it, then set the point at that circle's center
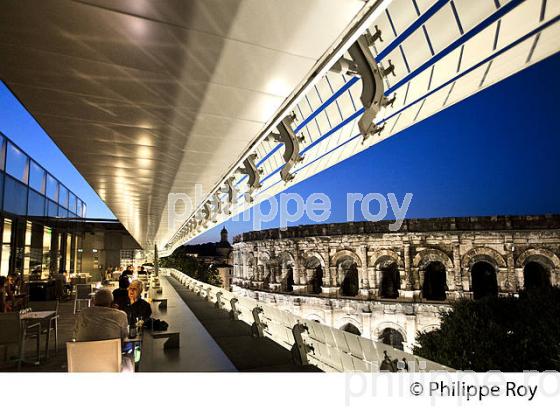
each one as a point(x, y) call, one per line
point(47, 342)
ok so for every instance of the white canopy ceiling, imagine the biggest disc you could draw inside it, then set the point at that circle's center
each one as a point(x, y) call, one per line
point(151, 98)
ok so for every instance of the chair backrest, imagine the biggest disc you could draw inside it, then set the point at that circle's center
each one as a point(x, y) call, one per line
point(11, 328)
point(44, 305)
point(83, 291)
point(98, 356)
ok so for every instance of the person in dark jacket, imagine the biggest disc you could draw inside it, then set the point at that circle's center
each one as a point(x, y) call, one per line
point(138, 308)
point(120, 295)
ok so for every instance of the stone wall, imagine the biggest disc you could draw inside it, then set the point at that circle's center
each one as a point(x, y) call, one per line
point(402, 278)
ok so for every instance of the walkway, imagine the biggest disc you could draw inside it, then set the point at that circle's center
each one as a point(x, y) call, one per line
point(234, 337)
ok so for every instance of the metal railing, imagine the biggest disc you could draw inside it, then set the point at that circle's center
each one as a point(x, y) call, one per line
point(329, 349)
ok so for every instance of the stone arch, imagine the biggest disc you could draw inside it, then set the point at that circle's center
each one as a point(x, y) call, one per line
point(345, 253)
point(378, 256)
point(351, 328)
point(263, 267)
point(435, 273)
point(479, 255)
point(314, 317)
point(542, 259)
point(345, 320)
point(314, 266)
point(286, 263)
point(429, 328)
point(248, 264)
point(538, 255)
point(389, 272)
point(383, 325)
point(483, 254)
point(346, 267)
point(383, 330)
point(425, 256)
point(311, 254)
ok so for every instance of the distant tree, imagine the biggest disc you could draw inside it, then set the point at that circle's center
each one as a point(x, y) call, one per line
point(498, 333)
point(193, 267)
point(209, 274)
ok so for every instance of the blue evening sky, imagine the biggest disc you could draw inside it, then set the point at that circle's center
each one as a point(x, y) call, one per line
point(496, 152)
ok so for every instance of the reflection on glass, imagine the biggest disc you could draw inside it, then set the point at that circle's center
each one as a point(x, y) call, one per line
point(68, 251)
point(37, 177)
point(63, 196)
point(52, 188)
point(2, 152)
point(27, 248)
point(72, 202)
point(6, 248)
point(17, 163)
point(47, 236)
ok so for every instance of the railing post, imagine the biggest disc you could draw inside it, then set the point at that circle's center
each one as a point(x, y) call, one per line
point(234, 312)
point(219, 302)
point(300, 349)
point(258, 326)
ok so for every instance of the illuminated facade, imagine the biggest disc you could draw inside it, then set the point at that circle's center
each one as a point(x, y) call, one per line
point(40, 217)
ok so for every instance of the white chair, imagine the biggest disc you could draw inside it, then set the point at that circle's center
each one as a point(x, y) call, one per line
point(98, 356)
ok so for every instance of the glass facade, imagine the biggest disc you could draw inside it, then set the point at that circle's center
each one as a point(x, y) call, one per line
point(38, 218)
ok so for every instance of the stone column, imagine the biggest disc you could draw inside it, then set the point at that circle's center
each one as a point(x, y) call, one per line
point(296, 266)
point(410, 283)
point(510, 282)
point(457, 266)
point(363, 273)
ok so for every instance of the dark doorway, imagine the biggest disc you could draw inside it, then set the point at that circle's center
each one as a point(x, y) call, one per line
point(350, 328)
point(393, 338)
point(350, 284)
point(484, 281)
point(317, 281)
point(390, 281)
point(435, 283)
point(536, 276)
point(290, 280)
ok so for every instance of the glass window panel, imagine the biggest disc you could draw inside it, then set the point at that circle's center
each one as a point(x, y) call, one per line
point(37, 177)
point(63, 213)
point(52, 209)
point(2, 152)
point(7, 232)
point(72, 202)
point(47, 237)
point(79, 208)
point(63, 196)
point(6, 247)
point(1, 189)
point(17, 164)
point(15, 197)
point(52, 188)
point(36, 204)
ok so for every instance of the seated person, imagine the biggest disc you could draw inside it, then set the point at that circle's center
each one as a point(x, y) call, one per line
point(120, 295)
point(101, 321)
point(3, 304)
point(138, 309)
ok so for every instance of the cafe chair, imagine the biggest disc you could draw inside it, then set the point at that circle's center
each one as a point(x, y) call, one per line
point(15, 332)
point(98, 356)
point(83, 294)
point(50, 325)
